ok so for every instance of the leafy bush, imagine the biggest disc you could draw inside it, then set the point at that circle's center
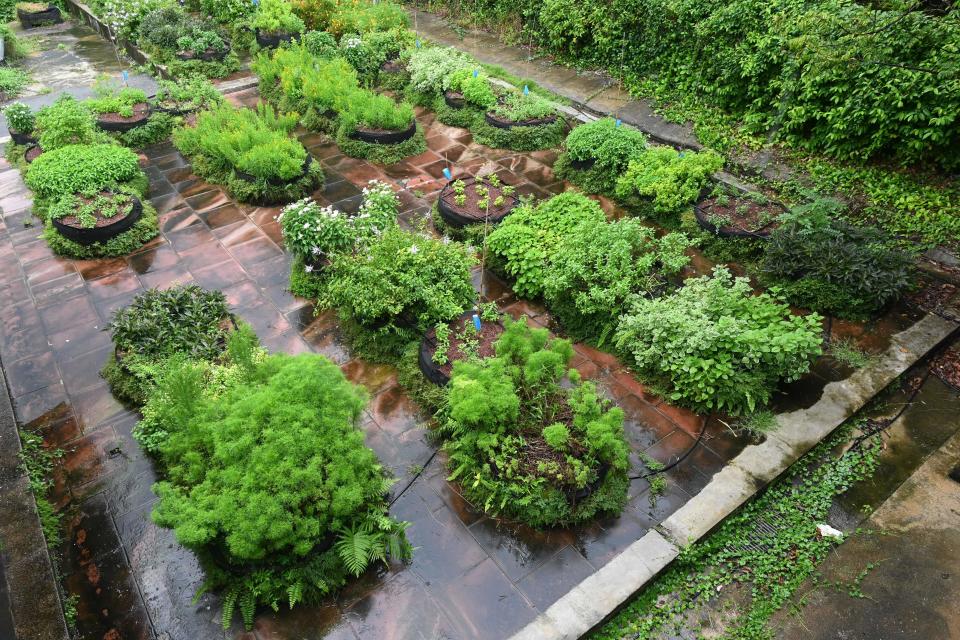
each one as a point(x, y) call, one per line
point(600, 267)
point(836, 268)
point(527, 240)
point(12, 82)
point(525, 446)
point(227, 11)
point(276, 16)
point(717, 346)
point(610, 146)
point(66, 122)
point(370, 110)
point(519, 107)
point(189, 93)
point(474, 86)
point(269, 482)
point(400, 285)
point(361, 17)
point(170, 30)
point(19, 118)
point(319, 43)
point(78, 168)
point(430, 68)
point(310, 230)
point(183, 320)
point(661, 181)
point(125, 16)
point(116, 100)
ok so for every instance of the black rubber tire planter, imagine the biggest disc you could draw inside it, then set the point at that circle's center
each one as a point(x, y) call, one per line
point(385, 137)
point(51, 15)
point(498, 122)
point(173, 111)
point(454, 100)
point(272, 40)
point(455, 219)
point(583, 165)
point(207, 56)
point(276, 182)
point(101, 234)
point(703, 219)
point(138, 120)
point(30, 149)
point(21, 138)
point(430, 369)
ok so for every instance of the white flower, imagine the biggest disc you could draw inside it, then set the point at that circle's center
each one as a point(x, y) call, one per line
point(414, 249)
point(315, 250)
point(308, 268)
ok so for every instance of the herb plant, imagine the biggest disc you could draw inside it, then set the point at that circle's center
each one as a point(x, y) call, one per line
point(608, 146)
point(276, 16)
point(660, 181)
point(19, 118)
point(81, 168)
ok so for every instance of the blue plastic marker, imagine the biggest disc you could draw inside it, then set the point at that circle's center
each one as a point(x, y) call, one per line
point(526, 90)
point(476, 321)
point(125, 75)
point(447, 174)
point(618, 122)
point(417, 43)
point(476, 72)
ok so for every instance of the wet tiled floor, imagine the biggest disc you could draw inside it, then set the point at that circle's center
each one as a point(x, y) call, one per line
point(471, 577)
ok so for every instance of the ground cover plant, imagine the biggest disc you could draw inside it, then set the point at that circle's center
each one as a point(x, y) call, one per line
point(95, 208)
point(526, 447)
point(833, 267)
point(66, 122)
point(276, 17)
point(186, 94)
point(78, 168)
point(186, 44)
point(526, 122)
point(596, 154)
point(250, 152)
point(117, 104)
point(267, 479)
point(369, 112)
point(12, 82)
point(660, 181)
point(183, 320)
point(714, 345)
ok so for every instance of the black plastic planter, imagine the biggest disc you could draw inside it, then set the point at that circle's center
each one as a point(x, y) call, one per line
point(458, 218)
point(21, 138)
point(51, 15)
point(454, 100)
point(276, 182)
point(139, 119)
point(496, 121)
point(583, 165)
point(430, 369)
point(104, 233)
point(273, 40)
point(385, 137)
point(173, 111)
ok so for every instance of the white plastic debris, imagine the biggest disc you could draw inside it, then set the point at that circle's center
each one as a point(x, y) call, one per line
point(826, 531)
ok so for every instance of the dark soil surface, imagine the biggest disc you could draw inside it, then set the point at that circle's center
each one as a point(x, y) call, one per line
point(932, 296)
point(140, 111)
point(124, 211)
point(32, 154)
point(489, 332)
point(946, 366)
point(741, 214)
point(471, 208)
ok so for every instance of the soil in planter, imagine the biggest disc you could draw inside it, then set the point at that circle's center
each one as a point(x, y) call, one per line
point(946, 366)
point(460, 330)
point(32, 154)
point(117, 214)
point(503, 123)
point(740, 215)
point(470, 210)
point(393, 66)
point(140, 111)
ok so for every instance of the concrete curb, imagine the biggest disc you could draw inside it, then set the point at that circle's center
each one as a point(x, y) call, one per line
point(601, 595)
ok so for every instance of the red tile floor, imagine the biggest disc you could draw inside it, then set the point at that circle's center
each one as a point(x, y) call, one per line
point(471, 577)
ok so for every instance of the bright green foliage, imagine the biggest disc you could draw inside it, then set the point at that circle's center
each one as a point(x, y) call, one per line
point(836, 268)
point(355, 50)
point(143, 230)
point(529, 237)
point(39, 462)
point(227, 11)
point(375, 111)
point(362, 17)
point(661, 181)
point(12, 81)
point(319, 43)
point(600, 267)
point(76, 168)
point(610, 146)
point(431, 67)
point(276, 16)
point(519, 107)
point(515, 106)
point(66, 122)
point(111, 99)
point(19, 118)
point(524, 446)
point(269, 481)
point(188, 93)
point(716, 345)
point(400, 284)
point(476, 89)
point(183, 320)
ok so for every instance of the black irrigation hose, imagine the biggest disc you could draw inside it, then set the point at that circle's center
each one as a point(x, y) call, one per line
point(686, 453)
point(417, 476)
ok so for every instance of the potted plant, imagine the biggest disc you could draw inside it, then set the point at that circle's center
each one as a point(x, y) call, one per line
point(120, 109)
point(186, 95)
point(274, 23)
point(595, 154)
point(36, 14)
point(473, 200)
point(731, 213)
point(20, 123)
point(373, 126)
point(520, 121)
point(460, 339)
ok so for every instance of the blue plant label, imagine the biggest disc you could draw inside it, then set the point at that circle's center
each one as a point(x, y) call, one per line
point(417, 43)
point(476, 322)
point(619, 122)
point(447, 174)
point(476, 72)
point(125, 75)
point(526, 90)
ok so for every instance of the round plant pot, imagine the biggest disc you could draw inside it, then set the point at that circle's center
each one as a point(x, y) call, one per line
point(102, 232)
point(210, 55)
point(583, 165)
point(32, 153)
point(582, 494)
point(440, 374)
point(502, 123)
point(119, 123)
point(385, 137)
point(172, 110)
point(702, 215)
point(454, 99)
point(29, 20)
point(276, 182)
point(21, 138)
point(459, 216)
point(271, 40)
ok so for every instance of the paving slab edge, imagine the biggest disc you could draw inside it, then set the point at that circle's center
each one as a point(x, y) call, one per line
point(603, 593)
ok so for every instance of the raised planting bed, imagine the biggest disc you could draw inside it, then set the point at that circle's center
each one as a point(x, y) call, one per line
point(273, 40)
point(36, 14)
point(475, 200)
point(100, 218)
point(33, 152)
point(454, 99)
point(458, 341)
point(498, 121)
point(736, 215)
point(120, 123)
point(22, 138)
point(276, 182)
point(383, 136)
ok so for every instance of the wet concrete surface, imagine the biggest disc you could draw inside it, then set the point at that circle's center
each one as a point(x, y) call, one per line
point(472, 576)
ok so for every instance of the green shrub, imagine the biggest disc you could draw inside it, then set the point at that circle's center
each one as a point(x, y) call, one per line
point(660, 181)
point(116, 100)
point(319, 43)
point(430, 68)
point(269, 482)
point(610, 146)
point(276, 16)
point(400, 285)
point(66, 122)
point(228, 12)
point(12, 82)
point(530, 236)
point(361, 17)
point(371, 110)
point(474, 86)
point(142, 231)
point(189, 93)
point(19, 118)
point(526, 447)
point(836, 268)
point(380, 153)
point(526, 138)
point(172, 30)
point(77, 168)
point(183, 320)
point(716, 346)
point(600, 267)
point(125, 17)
